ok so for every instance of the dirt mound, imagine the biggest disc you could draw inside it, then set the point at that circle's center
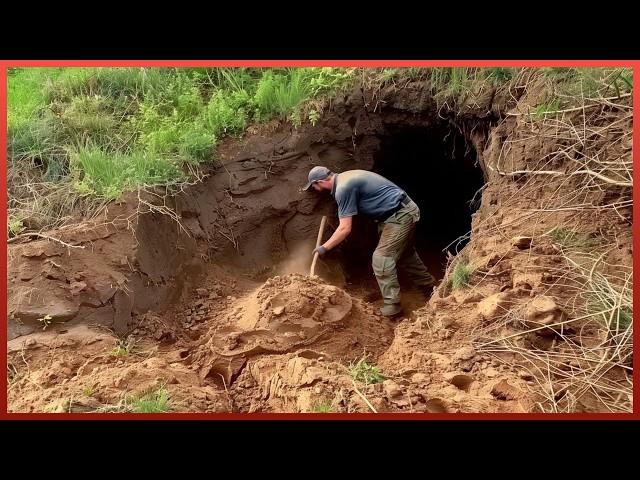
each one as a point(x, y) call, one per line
point(286, 313)
point(285, 345)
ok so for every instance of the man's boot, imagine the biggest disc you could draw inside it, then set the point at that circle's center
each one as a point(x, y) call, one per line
point(391, 309)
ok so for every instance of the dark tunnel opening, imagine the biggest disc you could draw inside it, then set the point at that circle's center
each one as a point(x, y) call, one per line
point(437, 168)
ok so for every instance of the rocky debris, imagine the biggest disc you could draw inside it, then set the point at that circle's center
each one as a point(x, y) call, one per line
point(494, 305)
point(392, 389)
point(419, 378)
point(543, 310)
point(462, 382)
point(503, 390)
point(76, 287)
point(522, 242)
point(465, 357)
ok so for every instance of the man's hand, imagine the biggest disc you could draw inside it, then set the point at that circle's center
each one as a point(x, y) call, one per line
point(321, 250)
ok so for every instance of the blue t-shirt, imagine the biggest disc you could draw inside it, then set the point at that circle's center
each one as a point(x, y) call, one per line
point(361, 191)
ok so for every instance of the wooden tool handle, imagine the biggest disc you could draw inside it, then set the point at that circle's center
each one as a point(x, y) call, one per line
point(318, 243)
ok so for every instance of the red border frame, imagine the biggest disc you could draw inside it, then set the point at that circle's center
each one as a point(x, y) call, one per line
point(4, 64)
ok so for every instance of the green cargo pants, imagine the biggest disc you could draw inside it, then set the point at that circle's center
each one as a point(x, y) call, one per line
point(396, 247)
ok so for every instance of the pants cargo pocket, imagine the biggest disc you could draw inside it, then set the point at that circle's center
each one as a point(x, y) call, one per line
point(382, 266)
point(385, 270)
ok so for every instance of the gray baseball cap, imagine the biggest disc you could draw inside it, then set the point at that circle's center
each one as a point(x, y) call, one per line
point(315, 174)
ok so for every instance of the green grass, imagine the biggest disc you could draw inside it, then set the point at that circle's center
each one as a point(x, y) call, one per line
point(323, 406)
point(278, 94)
point(362, 371)
point(109, 130)
point(499, 75)
point(572, 239)
point(158, 401)
point(15, 226)
point(461, 275)
point(87, 126)
point(545, 108)
point(451, 80)
point(620, 319)
point(591, 82)
point(228, 112)
point(614, 317)
point(123, 348)
point(107, 175)
point(26, 93)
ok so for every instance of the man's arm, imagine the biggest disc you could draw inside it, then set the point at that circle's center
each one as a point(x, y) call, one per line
point(343, 230)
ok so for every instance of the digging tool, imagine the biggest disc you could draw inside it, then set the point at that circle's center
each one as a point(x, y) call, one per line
point(318, 242)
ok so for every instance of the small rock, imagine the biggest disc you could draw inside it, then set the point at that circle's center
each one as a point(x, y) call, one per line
point(491, 372)
point(543, 310)
point(400, 402)
point(444, 333)
point(202, 292)
point(419, 378)
point(213, 296)
point(522, 242)
point(76, 287)
point(494, 305)
point(504, 391)
point(391, 389)
point(445, 321)
point(464, 353)
point(525, 376)
point(231, 341)
point(473, 298)
point(376, 388)
point(30, 342)
point(278, 310)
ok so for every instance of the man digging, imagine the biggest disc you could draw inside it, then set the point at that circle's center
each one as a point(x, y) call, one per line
point(361, 191)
